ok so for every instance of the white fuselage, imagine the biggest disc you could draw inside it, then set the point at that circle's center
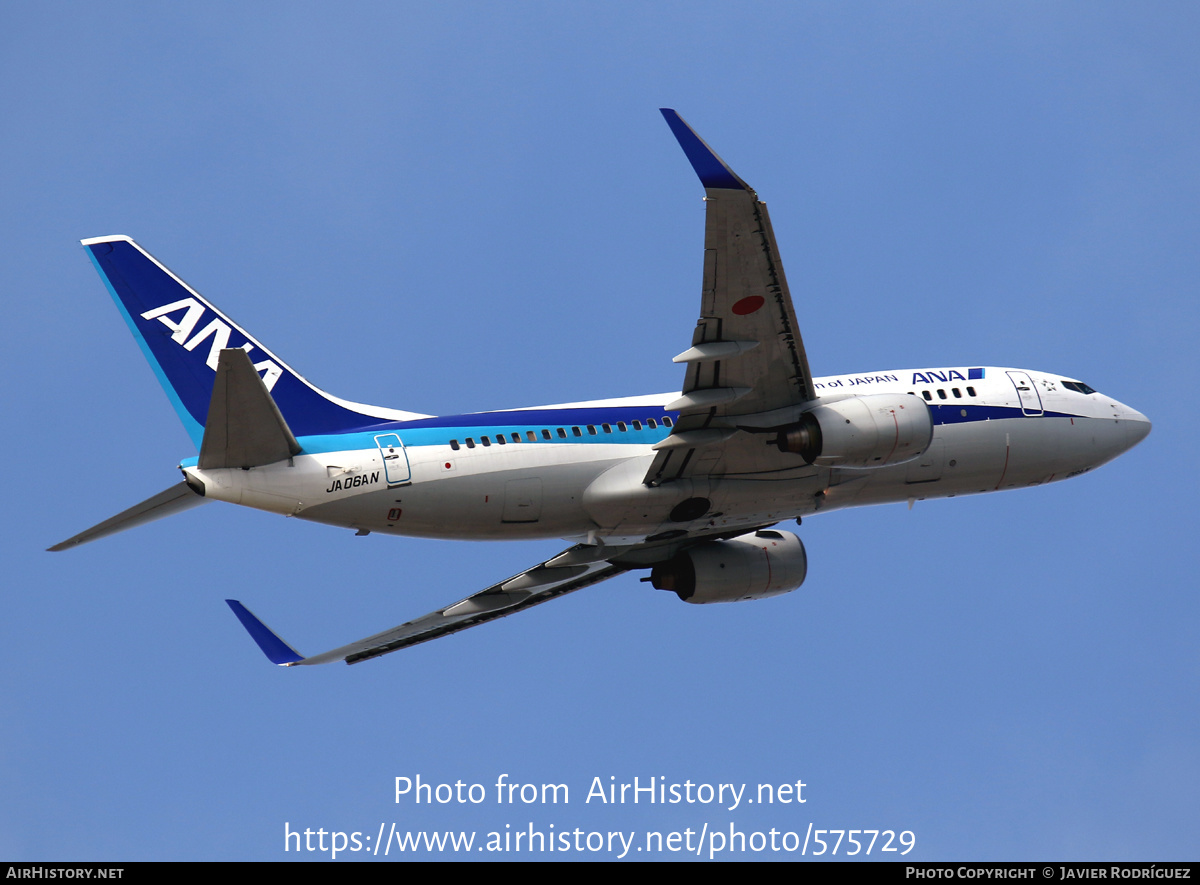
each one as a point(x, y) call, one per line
point(577, 471)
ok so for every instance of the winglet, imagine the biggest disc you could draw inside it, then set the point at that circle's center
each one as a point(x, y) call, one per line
point(276, 650)
point(711, 169)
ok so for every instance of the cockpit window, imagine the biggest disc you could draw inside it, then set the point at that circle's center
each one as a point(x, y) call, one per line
point(1078, 387)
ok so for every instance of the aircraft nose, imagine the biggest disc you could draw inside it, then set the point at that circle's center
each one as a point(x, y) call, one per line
point(1137, 427)
point(1117, 432)
point(1132, 426)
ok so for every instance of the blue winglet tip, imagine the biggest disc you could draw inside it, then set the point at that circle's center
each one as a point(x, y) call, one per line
point(710, 168)
point(276, 650)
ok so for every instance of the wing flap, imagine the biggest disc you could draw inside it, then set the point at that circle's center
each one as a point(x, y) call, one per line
point(745, 297)
point(497, 601)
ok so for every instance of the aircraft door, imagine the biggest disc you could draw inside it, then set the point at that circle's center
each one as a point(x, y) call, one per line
point(1031, 401)
point(395, 459)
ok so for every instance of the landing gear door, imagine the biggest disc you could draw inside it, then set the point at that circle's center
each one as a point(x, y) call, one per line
point(395, 459)
point(1031, 401)
point(522, 500)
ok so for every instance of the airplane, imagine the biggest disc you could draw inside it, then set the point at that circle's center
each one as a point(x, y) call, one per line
point(688, 485)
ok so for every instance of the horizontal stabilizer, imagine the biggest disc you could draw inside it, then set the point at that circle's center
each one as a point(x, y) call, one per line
point(244, 426)
point(173, 500)
point(276, 650)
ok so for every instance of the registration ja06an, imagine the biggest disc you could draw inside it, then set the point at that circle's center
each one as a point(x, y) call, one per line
point(852, 842)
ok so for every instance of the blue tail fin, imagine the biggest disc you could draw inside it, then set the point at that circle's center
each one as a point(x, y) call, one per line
point(182, 336)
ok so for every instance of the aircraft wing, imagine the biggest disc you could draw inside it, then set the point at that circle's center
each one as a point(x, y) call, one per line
point(747, 356)
point(531, 587)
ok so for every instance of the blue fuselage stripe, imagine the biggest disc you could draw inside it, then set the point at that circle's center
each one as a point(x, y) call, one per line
point(958, 413)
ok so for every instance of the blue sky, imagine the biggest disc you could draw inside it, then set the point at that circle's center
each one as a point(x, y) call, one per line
point(477, 206)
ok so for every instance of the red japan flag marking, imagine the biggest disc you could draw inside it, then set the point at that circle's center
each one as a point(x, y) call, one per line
point(748, 305)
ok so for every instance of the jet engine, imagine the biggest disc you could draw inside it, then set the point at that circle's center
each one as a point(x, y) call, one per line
point(751, 566)
point(862, 431)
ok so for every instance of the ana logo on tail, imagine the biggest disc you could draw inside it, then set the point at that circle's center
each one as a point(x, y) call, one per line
point(218, 330)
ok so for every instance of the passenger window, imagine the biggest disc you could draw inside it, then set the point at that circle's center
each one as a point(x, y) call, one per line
point(621, 426)
point(591, 429)
point(941, 393)
point(562, 433)
point(957, 393)
point(454, 444)
point(637, 425)
point(532, 437)
point(971, 391)
point(577, 431)
point(485, 440)
point(545, 433)
point(928, 396)
point(666, 422)
point(470, 443)
point(607, 428)
point(500, 440)
point(652, 424)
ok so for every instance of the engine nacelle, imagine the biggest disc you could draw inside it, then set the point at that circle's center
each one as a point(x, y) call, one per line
point(751, 566)
point(862, 431)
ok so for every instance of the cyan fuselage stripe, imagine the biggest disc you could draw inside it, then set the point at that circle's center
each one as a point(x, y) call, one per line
point(439, 431)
